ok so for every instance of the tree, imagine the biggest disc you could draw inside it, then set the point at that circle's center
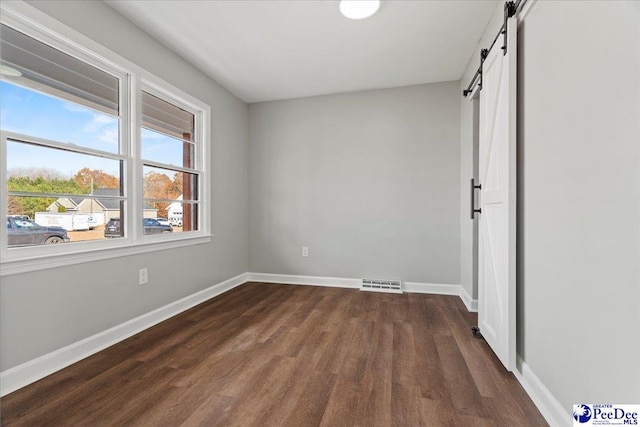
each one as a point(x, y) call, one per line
point(100, 179)
point(35, 172)
point(22, 205)
point(14, 205)
point(176, 185)
point(160, 186)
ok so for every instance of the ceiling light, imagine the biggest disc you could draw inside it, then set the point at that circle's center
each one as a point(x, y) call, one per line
point(9, 71)
point(359, 9)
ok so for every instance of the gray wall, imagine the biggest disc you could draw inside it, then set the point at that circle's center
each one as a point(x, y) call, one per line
point(580, 171)
point(368, 181)
point(579, 198)
point(43, 311)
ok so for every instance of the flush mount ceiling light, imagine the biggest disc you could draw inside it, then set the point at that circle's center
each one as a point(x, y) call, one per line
point(9, 71)
point(359, 9)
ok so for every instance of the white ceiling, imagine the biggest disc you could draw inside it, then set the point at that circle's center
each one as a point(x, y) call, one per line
point(266, 50)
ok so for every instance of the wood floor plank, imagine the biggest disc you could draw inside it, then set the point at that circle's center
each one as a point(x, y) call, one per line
point(429, 373)
point(214, 412)
point(282, 355)
point(257, 397)
point(488, 373)
point(460, 384)
point(293, 385)
point(311, 405)
point(342, 405)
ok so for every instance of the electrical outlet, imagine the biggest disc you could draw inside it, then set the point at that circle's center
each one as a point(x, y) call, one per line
point(305, 251)
point(143, 276)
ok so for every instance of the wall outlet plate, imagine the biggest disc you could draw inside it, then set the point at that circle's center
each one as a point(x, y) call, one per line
point(305, 251)
point(143, 276)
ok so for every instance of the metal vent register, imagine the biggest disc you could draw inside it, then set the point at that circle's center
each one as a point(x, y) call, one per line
point(375, 285)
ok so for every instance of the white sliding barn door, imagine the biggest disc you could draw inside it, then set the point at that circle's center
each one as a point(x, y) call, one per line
point(497, 226)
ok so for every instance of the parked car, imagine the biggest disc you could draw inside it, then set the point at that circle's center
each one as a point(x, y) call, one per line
point(176, 221)
point(163, 221)
point(149, 226)
point(27, 217)
point(23, 232)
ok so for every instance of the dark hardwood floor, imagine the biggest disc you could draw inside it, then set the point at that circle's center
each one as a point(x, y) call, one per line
point(282, 355)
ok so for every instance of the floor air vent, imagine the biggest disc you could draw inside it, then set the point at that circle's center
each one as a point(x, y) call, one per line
point(391, 286)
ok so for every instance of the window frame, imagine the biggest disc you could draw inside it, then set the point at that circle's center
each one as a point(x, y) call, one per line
point(133, 79)
point(200, 150)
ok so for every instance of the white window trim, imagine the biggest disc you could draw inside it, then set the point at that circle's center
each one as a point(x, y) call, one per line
point(37, 24)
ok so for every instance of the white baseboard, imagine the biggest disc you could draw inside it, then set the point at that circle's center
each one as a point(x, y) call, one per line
point(545, 401)
point(33, 370)
point(340, 282)
point(290, 279)
point(472, 304)
point(430, 288)
point(434, 288)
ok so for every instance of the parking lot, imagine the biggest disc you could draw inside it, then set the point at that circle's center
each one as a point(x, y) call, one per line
point(96, 234)
point(79, 236)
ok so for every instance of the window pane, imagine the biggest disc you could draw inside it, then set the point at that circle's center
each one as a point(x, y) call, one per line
point(168, 184)
point(40, 220)
point(36, 114)
point(161, 148)
point(37, 169)
point(164, 117)
point(181, 216)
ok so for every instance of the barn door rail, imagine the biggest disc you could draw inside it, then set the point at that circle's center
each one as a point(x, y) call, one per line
point(510, 9)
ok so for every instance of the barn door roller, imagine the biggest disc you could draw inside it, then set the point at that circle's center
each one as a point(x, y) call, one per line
point(510, 10)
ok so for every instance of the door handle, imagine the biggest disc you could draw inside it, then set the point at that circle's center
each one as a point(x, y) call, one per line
point(474, 187)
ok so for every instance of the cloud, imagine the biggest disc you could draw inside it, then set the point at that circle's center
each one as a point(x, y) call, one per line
point(109, 135)
point(104, 127)
point(98, 122)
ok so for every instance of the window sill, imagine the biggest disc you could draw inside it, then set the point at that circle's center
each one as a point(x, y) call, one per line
point(29, 264)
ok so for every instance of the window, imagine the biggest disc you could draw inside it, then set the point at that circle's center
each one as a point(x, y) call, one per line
point(170, 159)
point(61, 132)
point(94, 150)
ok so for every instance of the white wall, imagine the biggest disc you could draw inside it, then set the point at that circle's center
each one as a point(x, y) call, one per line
point(579, 198)
point(43, 311)
point(367, 180)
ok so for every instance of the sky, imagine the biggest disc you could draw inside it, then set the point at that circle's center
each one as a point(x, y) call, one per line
point(33, 113)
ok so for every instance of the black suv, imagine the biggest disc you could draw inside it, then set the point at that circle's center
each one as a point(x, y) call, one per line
point(149, 225)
